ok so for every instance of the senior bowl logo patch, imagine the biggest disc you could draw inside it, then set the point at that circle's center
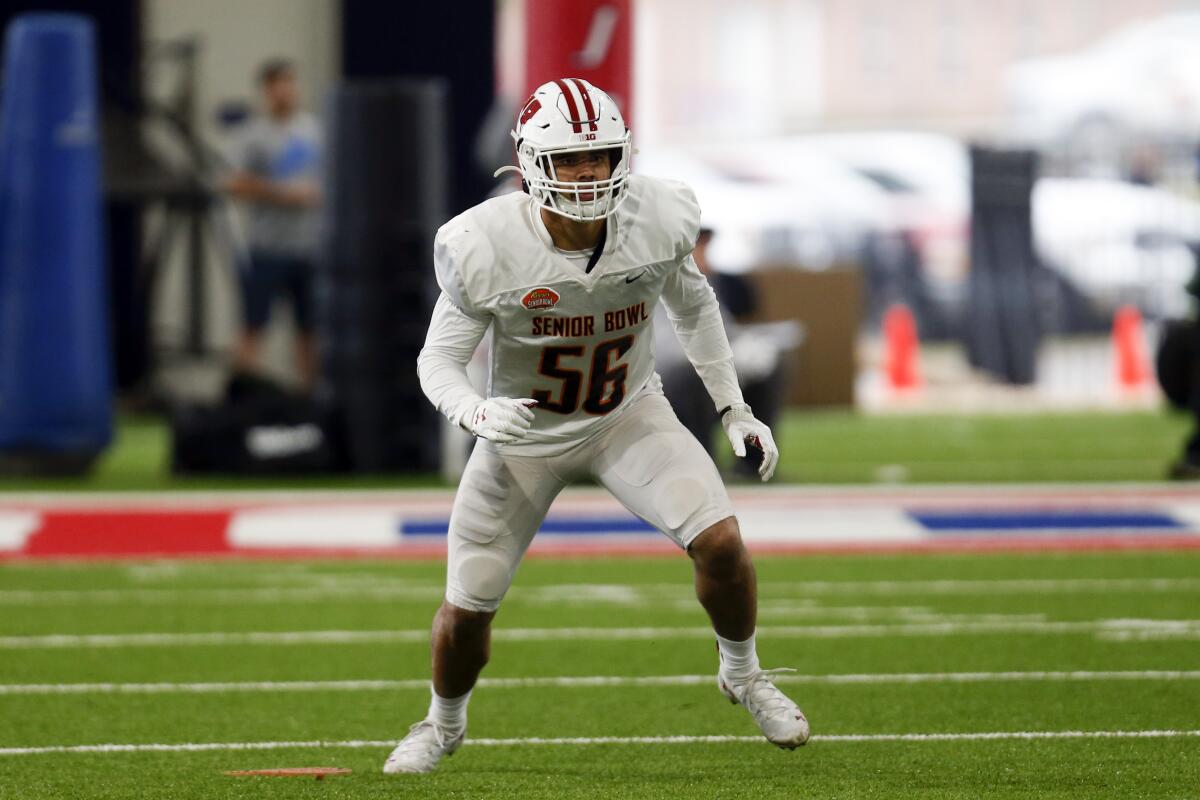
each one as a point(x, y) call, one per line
point(540, 298)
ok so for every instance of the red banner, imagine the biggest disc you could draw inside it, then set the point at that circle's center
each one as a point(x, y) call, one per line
point(589, 39)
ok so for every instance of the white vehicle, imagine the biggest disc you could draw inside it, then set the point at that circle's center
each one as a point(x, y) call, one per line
point(1118, 243)
point(931, 165)
point(928, 178)
point(1114, 242)
point(789, 201)
point(851, 205)
point(1141, 83)
point(757, 221)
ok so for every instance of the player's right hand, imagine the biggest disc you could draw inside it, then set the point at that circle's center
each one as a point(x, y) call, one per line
point(741, 426)
point(502, 419)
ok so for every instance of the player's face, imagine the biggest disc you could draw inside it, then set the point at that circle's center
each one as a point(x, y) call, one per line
point(584, 166)
point(282, 94)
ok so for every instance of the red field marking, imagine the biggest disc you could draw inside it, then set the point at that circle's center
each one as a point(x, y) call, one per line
point(289, 772)
point(129, 533)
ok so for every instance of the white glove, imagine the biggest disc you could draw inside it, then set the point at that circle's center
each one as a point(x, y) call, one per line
point(741, 427)
point(501, 419)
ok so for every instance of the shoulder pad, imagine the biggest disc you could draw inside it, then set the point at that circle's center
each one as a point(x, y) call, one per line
point(671, 206)
point(461, 248)
point(455, 251)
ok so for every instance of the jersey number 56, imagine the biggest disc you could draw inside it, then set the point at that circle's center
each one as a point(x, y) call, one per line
point(605, 379)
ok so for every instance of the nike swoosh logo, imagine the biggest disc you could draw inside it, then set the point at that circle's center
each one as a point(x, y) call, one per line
point(635, 277)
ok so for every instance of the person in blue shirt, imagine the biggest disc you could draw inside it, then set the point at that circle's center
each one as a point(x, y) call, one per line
point(277, 171)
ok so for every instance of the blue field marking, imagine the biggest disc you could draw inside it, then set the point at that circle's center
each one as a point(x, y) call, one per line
point(586, 526)
point(1032, 521)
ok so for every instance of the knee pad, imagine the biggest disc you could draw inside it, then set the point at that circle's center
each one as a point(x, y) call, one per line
point(480, 577)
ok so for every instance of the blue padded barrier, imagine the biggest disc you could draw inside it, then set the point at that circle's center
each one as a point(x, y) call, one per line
point(55, 359)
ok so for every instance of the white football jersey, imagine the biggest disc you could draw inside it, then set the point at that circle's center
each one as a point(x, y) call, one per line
point(579, 343)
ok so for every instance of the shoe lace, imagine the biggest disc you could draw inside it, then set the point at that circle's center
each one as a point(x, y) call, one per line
point(763, 695)
point(416, 742)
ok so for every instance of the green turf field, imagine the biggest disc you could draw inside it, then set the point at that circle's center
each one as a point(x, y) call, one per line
point(816, 447)
point(922, 645)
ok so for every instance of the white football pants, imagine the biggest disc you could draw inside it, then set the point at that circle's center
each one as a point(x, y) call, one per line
point(647, 460)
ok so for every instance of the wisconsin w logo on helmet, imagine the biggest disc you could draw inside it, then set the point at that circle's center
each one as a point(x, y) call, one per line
point(532, 106)
point(564, 116)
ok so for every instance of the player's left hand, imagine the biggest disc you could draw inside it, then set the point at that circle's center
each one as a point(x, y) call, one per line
point(502, 419)
point(741, 426)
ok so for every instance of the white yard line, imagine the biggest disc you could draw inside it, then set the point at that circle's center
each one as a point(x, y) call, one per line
point(1163, 635)
point(1108, 627)
point(193, 747)
point(629, 593)
point(591, 681)
point(1071, 494)
point(991, 587)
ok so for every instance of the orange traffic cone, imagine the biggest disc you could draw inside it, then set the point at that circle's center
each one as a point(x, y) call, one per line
point(902, 344)
point(1129, 349)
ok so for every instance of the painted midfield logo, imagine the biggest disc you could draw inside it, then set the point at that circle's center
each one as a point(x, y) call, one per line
point(540, 298)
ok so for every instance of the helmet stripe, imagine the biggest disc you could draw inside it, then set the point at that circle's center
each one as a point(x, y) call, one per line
point(572, 108)
point(587, 102)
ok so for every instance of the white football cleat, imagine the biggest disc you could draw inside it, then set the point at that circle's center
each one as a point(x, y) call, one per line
point(422, 748)
point(780, 719)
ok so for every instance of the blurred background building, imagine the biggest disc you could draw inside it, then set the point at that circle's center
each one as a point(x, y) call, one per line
point(957, 203)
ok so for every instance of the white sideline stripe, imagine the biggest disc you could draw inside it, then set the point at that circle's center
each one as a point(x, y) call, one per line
point(269, 595)
point(591, 740)
point(1005, 586)
point(875, 525)
point(312, 526)
point(353, 589)
point(1171, 628)
point(15, 528)
point(588, 681)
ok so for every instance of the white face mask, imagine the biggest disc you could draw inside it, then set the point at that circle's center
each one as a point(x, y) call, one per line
point(583, 201)
point(564, 198)
point(570, 203)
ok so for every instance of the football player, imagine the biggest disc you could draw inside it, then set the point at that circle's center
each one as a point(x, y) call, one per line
point(566, 275)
